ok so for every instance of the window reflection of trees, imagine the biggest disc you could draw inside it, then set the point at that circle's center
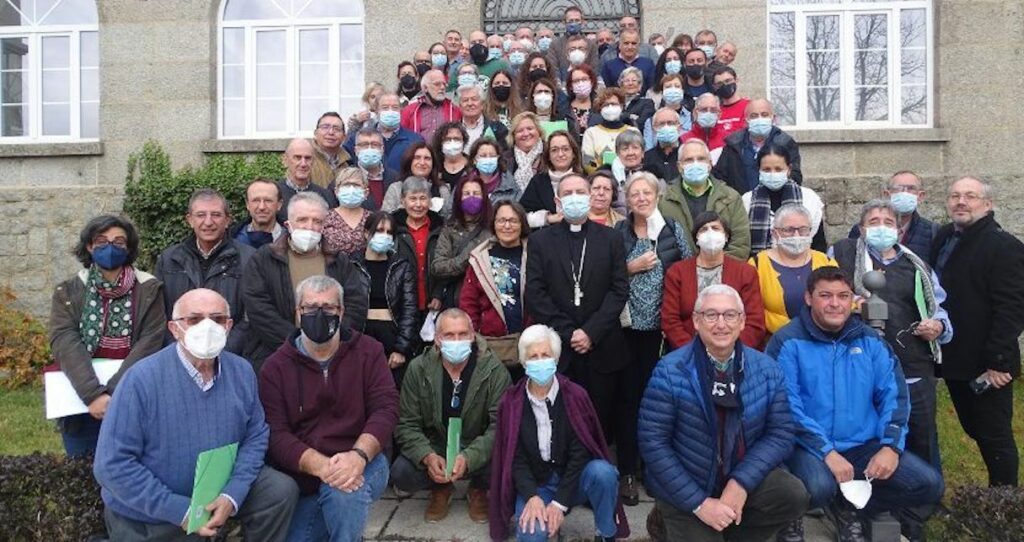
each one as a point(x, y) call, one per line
point(823, 67)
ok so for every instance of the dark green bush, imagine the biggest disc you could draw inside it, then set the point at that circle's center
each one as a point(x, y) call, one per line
point(993, 514)
point(48, 497)
point(156, 198)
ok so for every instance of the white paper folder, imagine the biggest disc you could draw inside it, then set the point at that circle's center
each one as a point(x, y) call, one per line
point(61, 399)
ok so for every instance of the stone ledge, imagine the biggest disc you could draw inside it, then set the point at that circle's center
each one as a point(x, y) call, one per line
point(31, 150)
point(906, 135)
point(221, 146)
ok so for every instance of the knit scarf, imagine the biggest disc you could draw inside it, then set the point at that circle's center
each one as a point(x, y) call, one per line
point(106, 320)
point(761, 213)
point(862, 264)
point(525, 169)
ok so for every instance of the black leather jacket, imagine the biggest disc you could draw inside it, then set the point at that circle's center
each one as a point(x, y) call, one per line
point(400, 291)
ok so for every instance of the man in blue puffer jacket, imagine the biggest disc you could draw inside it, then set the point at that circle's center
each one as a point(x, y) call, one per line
point(851, 406)
point(715, 426)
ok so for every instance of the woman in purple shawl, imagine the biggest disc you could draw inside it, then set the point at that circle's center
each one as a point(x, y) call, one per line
point(549, 454)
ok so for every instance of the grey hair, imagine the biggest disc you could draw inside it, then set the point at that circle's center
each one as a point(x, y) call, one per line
point(628, 137)
point(708, 96)
point(538, 333)
point(787, 210)
point(461, 91)
point(647, 176)
point(366, 131)
point(311, 198)
point(695, 141)
point(317, 284)
point(632, 71)
point(348, 173)
point(472, 67)
point(876, 203)
point(452, 314)
point(987, 190)
point(415, 185)
point(718, 289)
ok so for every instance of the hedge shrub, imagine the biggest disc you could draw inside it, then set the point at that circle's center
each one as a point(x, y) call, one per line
point(993, 514)
point(48, 497)
point(24, 349)
point(156, 198)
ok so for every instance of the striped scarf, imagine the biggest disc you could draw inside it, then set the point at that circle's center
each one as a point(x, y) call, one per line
point(761, 213)
point(106, 320)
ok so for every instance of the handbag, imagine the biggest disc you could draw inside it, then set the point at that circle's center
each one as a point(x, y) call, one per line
point(505, 348)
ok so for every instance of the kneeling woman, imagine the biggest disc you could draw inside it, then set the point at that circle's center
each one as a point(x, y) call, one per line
point(549, 454)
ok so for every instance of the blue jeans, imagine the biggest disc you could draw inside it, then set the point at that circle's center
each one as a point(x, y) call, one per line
point(599, 486)
point(334, 515)
point(915, 482)
point(80, 433)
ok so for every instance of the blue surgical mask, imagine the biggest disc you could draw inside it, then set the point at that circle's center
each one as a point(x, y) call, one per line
point(390, 119)
point(494, 52)
point(439, 60)
point(673, 66)
point(707, 119)
point(773, 180)
point(696, 173)
point(709, 51)
point(516, 58)
point(456, 352)
point(904, 202)
point(109, 256)
point(541, 371)
point(369, 157)
point(760, 126)
point(487, 164)
point(467, 80)
point(381, 243)
point(668, 135)
point(573, 28)
point(575, 206)
point(672, 95)
point(544, 43)
point(506, 45)
point(881, 238)
point(351, 196)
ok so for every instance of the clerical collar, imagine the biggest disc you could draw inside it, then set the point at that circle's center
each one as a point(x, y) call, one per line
point(576, 227)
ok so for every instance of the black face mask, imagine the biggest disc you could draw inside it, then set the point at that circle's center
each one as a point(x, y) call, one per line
point(502, 93)
point(601, 49)
point(726, 91)
point(422, 69)
point(478, 52)
point(694, 71)
point(408, 82)
point(319, 327)
point(537, 74)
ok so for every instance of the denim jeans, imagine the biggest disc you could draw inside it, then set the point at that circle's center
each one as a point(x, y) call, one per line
point(330, 514)
point(915, 483)
point(599, 486)
point(80, 433)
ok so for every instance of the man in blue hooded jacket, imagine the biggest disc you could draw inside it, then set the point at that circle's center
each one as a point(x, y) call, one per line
point(851, 406)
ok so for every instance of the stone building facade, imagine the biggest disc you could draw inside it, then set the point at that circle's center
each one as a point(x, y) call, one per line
point(158, 80)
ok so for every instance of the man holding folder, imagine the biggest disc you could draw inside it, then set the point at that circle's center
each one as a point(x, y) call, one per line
point(189, 398)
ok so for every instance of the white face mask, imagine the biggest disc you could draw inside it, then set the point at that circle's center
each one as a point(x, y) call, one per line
point(206, 339)
point(794, 246)
point(304, 240)
point(451, 148)
point(858, 492)
point(611, 113)
point(711, 241)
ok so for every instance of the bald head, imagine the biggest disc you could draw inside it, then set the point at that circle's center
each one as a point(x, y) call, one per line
point(477, 36)
point(199, 302)
point(759, 107)
point(298, 159)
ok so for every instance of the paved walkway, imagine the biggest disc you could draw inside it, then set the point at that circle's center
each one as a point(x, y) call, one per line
point(393, 519)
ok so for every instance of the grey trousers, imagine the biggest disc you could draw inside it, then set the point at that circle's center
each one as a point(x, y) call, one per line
point(265, 514)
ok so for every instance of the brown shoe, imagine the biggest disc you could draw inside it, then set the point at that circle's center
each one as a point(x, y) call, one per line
point(477, 505)
point(440, 498)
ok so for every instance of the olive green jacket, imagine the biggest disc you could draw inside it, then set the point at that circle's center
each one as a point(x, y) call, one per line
point(723, 200)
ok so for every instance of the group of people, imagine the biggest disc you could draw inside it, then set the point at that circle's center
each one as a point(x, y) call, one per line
point(563, 271)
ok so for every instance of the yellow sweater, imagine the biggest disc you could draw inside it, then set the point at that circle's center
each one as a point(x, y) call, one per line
point(775, 315)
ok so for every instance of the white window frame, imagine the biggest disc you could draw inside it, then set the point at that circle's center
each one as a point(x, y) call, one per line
point(847, 10)
point(35, 34)
point(292, 26)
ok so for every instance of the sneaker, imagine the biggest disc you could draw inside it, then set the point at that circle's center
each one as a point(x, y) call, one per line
point(440, 499)
point(794, 532)
point(627, 490)
point(477, 505)
point(848, 525)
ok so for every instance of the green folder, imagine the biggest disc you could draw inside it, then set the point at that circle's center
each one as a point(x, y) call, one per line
point(454, 437)
point(607, 157)
point(213, 469)
point(548, 127)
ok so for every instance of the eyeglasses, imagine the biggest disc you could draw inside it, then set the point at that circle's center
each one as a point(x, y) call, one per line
point(203, 215)
point(730, 317)
point(969, 197)
point(456, 389)
point(800, 230)
point(194, 319)
point(309, 310)
point(330, 128)
point(507, 222)
point(100, 242)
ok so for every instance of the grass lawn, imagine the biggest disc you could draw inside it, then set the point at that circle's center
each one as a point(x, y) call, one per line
point(23, 425)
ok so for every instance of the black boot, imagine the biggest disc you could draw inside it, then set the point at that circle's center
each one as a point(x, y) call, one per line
point(848, 523)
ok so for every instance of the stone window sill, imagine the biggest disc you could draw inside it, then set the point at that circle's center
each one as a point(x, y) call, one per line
point(222, 146)
point(38, 150)
point(907, 135)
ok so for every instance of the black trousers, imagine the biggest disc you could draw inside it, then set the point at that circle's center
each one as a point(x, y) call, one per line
point(616, 400)
point(987, 418)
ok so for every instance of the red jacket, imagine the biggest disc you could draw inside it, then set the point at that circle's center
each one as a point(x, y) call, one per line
point(480, 298)
point(412, 116)
point(326, 410)
point(681, 295)
point(714, 138)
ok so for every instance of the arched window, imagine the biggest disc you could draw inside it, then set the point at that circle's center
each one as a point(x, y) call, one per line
point(49, 71)
point(284, 62)
point(851, 63)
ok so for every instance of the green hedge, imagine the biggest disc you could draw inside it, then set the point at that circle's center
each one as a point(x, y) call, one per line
point(156, 197)
point(48, 497)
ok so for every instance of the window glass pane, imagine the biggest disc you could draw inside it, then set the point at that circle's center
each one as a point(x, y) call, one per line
point(15, 54)
point(255, 9)
point(66, 11)
point(56, 86)
point(913, 29)
point(351, 42)
point(270, 115)
point(350, 105)
point(914, 109)
point(90, 91)
point(352, 78)
point(234, 81)
point(313, 45)
point(15, 120)
point(234, 45)
point(822, 104)
point(309, 111)
point(328, 8)
point(234, 117)
point(313, 80)
point(823, 75)
point(89, 53)
point(270, 81)
point(783, 69)
point(15, 87)
point(783, 31)
point(12, 17)
point(872, 103)
point(56, 119)
point(90, 120)
point(784, 102)
point(56, 52)
point(914, 67)
point(270, 47)
point(870, 68)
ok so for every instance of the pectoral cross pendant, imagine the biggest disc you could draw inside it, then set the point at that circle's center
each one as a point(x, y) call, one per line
point(577, 295)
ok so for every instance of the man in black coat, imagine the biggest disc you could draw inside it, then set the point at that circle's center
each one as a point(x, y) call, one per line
point(576, 284)
point(298, 160)
point(207, 258)
point(268, 284)
point(737, 166)
point(981, 266)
